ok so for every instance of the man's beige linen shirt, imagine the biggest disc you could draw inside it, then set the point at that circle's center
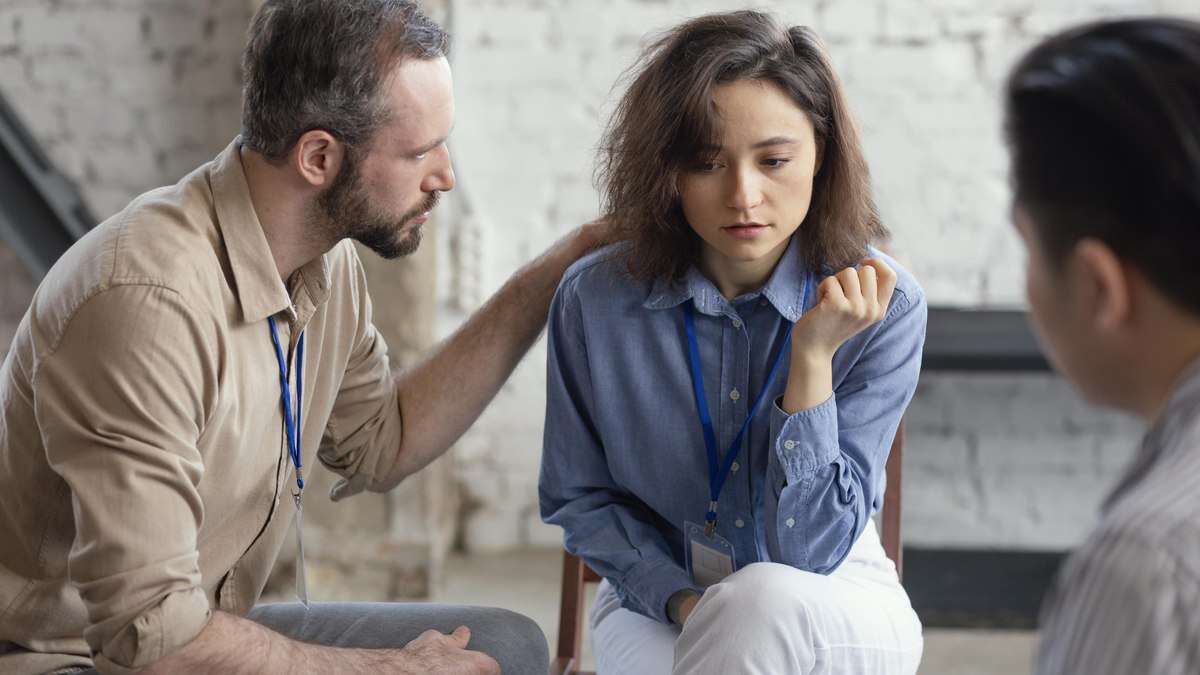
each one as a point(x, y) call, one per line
point(144, 481)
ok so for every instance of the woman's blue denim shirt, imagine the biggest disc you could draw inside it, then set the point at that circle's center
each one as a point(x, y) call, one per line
point(624, 462)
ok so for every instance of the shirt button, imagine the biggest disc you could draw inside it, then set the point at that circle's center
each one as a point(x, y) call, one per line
point(791, 522)
point(734, 467)
point(739, 523)
point(735, 394)
point(737, 323)
point(790, 445)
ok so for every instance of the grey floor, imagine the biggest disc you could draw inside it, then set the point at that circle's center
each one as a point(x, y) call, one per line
point(528, 582)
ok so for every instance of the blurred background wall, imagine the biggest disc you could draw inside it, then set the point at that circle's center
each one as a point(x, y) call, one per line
point(123, 96)
point(1006, 461)
point(126, 95)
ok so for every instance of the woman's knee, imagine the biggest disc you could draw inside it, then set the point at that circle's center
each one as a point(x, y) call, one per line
point(766, 583)
point(767, 589)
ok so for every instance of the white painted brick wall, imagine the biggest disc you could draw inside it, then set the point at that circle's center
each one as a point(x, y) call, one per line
point(992, 461)
point(1014, 460)
point(129, 94)
point(124, 96)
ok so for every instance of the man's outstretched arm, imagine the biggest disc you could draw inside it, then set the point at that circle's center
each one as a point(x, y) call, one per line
point(443, 395)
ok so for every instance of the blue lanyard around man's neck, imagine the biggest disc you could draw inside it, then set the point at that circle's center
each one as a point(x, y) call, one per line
point(291, 424)
point(718, 471)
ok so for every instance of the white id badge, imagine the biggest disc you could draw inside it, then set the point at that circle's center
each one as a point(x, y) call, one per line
point(709, 559)
point(301, 580)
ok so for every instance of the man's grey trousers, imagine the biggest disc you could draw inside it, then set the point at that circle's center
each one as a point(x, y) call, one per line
point(513, 640)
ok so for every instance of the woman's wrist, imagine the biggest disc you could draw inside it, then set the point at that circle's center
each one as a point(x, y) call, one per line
point(810, 380)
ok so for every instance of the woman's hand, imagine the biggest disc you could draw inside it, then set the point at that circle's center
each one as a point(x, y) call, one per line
point(686, 607)
point(847, 303)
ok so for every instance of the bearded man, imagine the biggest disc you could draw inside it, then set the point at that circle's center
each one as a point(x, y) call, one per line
point(184, 365)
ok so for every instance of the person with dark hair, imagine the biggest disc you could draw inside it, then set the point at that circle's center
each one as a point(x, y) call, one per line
point(725, 382)
point(184, 365)
point(1103, 125)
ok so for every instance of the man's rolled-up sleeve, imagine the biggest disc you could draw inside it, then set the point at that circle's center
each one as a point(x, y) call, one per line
point(121, 396)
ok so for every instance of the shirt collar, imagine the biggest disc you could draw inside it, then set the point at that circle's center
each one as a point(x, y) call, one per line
point(260, 291)
point(1163, 439)
point(784, 289)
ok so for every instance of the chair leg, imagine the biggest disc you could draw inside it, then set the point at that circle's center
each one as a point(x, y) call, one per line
point(570, 617)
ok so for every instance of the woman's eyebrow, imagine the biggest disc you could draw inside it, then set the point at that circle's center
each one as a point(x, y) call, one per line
point(774, 140)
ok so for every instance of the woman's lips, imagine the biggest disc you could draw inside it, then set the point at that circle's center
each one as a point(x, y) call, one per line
point(744, 230)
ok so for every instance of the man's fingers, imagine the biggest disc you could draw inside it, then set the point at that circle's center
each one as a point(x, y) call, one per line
point(461, 637)
point(428, 636)
point(485, 665)
point(599, 231)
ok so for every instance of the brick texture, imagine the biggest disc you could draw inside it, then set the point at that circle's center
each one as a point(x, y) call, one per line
point(126, 95)
point(1008, 461)
point(123, 95)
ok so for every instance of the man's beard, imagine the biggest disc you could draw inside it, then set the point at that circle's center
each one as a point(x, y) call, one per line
point(347, 213)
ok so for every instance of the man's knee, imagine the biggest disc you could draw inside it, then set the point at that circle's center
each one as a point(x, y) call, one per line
point(514, 640)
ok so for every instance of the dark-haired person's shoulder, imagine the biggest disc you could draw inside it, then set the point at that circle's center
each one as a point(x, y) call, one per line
point(1124, 598)
point(1122, 604)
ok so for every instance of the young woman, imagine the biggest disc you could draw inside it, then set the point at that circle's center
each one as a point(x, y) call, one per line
point(724, 384)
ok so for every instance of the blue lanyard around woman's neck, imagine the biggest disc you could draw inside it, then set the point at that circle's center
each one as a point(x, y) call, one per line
point(718, 471)
point(291, 425)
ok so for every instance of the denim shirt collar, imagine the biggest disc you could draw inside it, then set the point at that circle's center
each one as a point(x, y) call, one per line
point(784, 289)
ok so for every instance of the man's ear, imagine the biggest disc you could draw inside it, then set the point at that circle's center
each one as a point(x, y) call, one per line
point(1105, 283)
point(317, 157)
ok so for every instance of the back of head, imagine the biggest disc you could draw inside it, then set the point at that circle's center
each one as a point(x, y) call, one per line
point(1103, 122)
point(666, 119)
point(320, 64)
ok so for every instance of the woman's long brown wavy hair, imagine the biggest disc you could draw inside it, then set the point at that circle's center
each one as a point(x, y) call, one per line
point(667, 117)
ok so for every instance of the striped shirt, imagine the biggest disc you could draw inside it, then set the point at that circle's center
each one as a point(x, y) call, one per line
point(1128, 601)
